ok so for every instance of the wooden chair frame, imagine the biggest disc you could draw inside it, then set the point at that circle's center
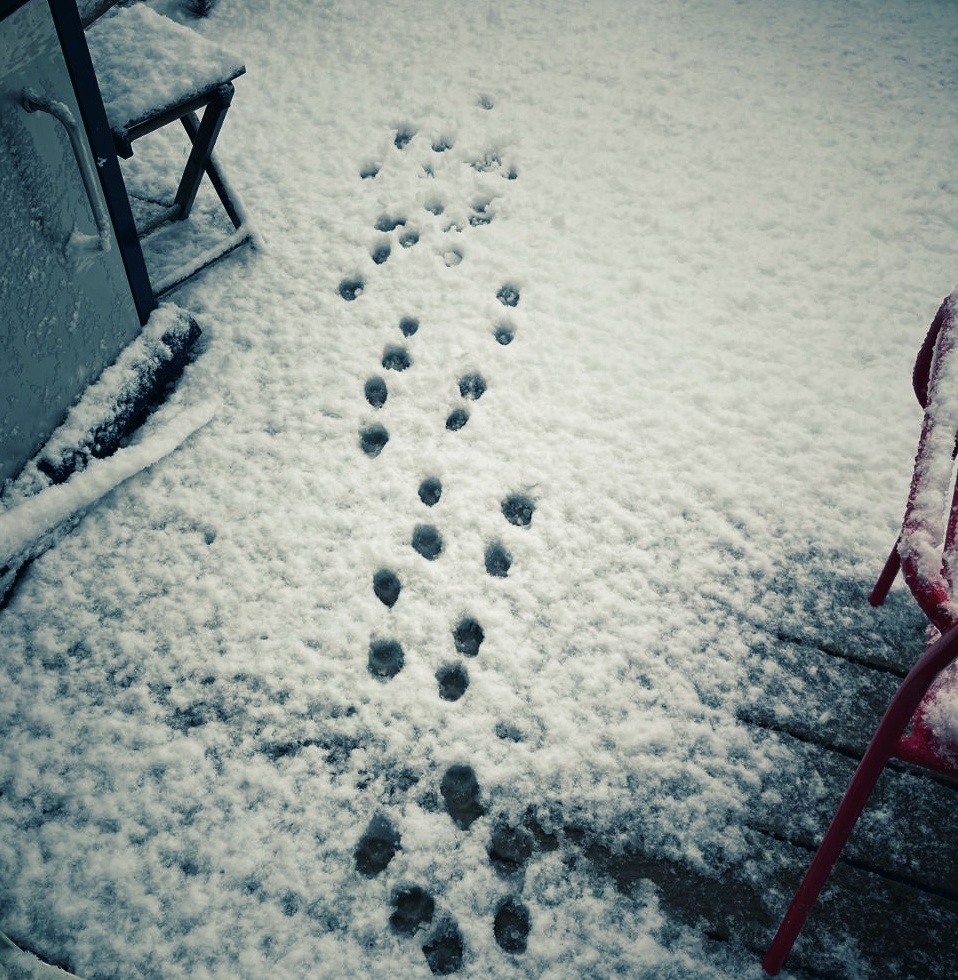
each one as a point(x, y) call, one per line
point(214, 102)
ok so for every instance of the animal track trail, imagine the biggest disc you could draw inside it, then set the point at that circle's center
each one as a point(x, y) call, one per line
point(455, 208)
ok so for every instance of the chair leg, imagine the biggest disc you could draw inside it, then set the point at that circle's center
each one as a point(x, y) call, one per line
point(233, 210)
point(839, 830)
point(887, 578)
point(883, 745)
point(203, 139)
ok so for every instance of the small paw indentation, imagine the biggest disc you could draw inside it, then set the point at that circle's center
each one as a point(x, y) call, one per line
point(386, 659)
point(386, 222)
point(461, 794)
point(444, 949)
point(386, 586)
point(480, 214)
point(427, 540)
point(498, 560)
point(413, 907)
point(468, 636)
point(511, 925)
point(430, 490)
point(377, 846)
point(376, 392)
point(508, 295)
point(396, 358)
point(350, 288)
point(472, 386)
point(457, 419)
point(453, 681)
point(518, 509)
point(373, 439)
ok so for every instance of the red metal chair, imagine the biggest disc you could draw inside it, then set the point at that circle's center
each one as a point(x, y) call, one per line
point(926, 555)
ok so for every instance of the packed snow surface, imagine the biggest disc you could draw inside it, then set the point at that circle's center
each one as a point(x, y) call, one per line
point(576, 325)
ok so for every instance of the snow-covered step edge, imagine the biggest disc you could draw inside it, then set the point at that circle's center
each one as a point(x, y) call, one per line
point(17, 964)
point(38, 522)
point(117, 403)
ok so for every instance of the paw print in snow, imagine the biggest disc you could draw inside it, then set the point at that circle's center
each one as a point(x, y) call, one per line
point(413, 907)
point(508, 295)
point(387, 587)
point(376, 392)
point(453, 681)
point(472, 386)
point(457, 419)
point(403, 137)
point(373, 439)
point(427, 541)
point(350, 288)
point(396, 358)
point(518, 509)
point(377, 846)
point(430, 490)
point(498, 561)
point(386, 659)
point(461, 794)
point(511, 926)
point(468, 636)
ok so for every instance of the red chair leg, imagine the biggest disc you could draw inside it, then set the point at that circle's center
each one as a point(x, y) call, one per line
point(887, 578)
point(881, 748)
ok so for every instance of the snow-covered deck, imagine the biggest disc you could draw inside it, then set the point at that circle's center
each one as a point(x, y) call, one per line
point(688, 250)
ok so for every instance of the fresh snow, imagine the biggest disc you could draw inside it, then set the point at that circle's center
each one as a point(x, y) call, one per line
point(145, 62)
point(714, 233)
point(23, 525)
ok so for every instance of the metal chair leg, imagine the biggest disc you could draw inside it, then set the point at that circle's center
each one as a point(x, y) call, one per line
point(887, 578)
point(882, 747)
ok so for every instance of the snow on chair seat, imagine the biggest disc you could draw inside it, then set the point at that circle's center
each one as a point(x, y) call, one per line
point(153, 72)
point(927, 700)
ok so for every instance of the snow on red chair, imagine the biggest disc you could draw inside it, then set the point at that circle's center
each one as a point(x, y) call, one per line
point(927, 699)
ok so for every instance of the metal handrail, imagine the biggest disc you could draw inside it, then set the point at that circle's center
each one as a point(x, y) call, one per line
point(33, 101)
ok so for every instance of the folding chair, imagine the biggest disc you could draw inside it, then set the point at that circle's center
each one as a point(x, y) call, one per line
point(926, 555)
point(153, 72)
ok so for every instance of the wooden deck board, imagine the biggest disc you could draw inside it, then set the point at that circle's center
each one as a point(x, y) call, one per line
point(907, 832)
point(818, 686)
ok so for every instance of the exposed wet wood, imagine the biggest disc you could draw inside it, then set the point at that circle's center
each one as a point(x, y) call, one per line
point(893, 896)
